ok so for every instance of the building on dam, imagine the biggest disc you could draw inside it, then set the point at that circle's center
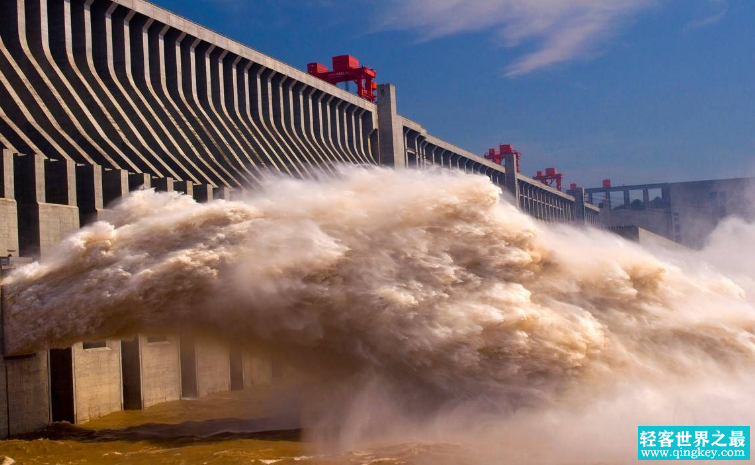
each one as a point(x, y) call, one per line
point(99, 98)
point(684, 212)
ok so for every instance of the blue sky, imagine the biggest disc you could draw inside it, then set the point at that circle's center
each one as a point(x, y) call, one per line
point(633, 90)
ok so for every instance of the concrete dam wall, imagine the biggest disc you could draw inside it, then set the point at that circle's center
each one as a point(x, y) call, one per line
point(99, 98)
point(145, 91)
point(128, 86)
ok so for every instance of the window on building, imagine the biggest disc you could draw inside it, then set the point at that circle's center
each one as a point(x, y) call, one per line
point(153, 338)
point(677, 228)
point(95, 344)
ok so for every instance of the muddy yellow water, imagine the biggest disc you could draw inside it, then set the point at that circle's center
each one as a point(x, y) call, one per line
point(255, 426)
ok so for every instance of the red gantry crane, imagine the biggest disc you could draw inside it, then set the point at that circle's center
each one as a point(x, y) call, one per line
point(346, 69)
point(548, 178)
point(551, 175)
point(497, 156)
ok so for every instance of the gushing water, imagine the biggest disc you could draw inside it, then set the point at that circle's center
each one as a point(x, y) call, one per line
point(417, 289)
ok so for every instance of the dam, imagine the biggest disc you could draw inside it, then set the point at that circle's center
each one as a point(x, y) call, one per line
point(100, 98)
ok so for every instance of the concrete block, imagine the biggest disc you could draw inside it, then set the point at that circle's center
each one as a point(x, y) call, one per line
point(579, 204)
point(28, 393)
point(646, 238)
point(7, 185)
point(161, 375)
point(512, 185)
point(56, 222)
point(4, 433)
point(8, 227)
point(213, 367)
point(390, 132)
point(97, 380)
point(24, 391)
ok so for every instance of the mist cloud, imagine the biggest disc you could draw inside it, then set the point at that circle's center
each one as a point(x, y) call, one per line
point(448, 315)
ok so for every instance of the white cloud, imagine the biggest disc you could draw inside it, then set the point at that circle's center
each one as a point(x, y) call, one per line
point(563, 30)
point(720, 7)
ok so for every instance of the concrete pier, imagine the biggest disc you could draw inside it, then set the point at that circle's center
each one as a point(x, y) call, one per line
point(8, 207)
point(97, 379)
point(213, 367)
point(24, 390)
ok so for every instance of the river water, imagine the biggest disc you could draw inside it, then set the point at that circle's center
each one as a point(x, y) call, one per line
point(217, 429)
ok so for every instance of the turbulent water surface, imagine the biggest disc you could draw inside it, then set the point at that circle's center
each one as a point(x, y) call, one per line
point(218, 429)
point(434, 310)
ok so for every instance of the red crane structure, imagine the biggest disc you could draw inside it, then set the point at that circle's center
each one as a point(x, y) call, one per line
point(551, 175)
point(497, 156)
point(346, 69)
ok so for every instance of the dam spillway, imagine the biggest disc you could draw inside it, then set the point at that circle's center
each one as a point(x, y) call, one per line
point(129, 87)
point(99, 98)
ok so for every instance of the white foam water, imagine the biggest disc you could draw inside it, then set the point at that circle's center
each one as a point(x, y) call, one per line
point(418, 285)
